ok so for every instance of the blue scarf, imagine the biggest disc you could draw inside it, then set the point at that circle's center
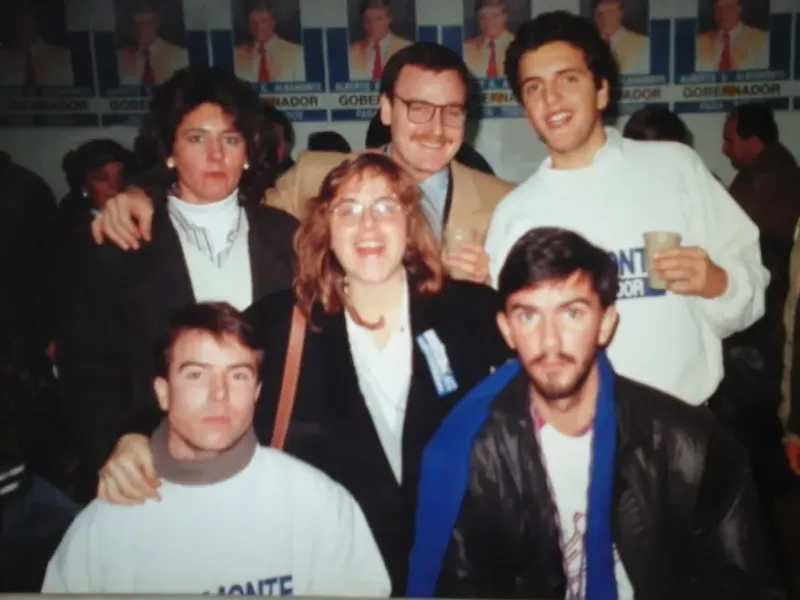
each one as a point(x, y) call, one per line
point(599, 541)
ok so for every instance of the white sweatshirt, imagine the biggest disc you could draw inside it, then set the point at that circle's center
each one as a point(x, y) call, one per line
point(278, 527)
point(668, 341)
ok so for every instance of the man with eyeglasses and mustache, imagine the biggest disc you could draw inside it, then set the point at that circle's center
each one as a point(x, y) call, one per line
point(423, 99)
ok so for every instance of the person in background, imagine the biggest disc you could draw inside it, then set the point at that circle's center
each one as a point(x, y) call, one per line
point(95, 171)
point(631, 49)
point(266, 56)
point(284, 134)
point(34, 514)
point(657, 123)
point(379, 136)
point(199, 153)
point(150, 60)
point(305, 536)
point(328, 141)
point(557, 478)
point(612, 191)
point(768, 178)
point(424, 98)
point(27, 217)
point(485, 54)
point(368, 56)
point(390, 347)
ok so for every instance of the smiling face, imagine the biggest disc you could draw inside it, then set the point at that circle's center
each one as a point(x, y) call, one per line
point(557, 327)
point(492, 20)
point(209, 393)
point(425, 148)
point(368, 229)
point(375, 22)
point(563, 103)
point(209, 154)
point(608, 17)
point(727, 14)
point(261, 24)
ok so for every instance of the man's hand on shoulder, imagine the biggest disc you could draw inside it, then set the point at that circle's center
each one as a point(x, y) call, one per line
point(126, 220)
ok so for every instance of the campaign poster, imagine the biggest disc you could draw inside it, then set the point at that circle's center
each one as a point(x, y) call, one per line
point(273, 45)
point(359, 45)
point(482, 38)
point(732, 51)
point(140, 45)
point(46, 75)
point(639, 34)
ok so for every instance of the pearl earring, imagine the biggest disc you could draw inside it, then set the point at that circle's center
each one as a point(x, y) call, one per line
point(85, 194)
point(246, 166)
point(170, 163)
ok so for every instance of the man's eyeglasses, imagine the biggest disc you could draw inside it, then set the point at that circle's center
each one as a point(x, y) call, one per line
point(381, 209)
point(421, 112)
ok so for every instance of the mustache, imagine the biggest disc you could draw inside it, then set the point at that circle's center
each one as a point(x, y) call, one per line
point(431, 139)
point(559, 356)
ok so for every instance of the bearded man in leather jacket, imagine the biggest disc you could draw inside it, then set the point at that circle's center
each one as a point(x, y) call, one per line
point(557, 478)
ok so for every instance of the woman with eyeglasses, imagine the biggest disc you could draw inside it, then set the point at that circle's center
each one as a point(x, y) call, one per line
point(391, 346)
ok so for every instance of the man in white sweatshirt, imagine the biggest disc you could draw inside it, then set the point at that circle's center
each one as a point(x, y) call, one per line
point(234, 517)
point(612, 190)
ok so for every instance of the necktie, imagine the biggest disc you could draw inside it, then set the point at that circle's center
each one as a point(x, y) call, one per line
point(431, 215)
point(491, 70)
point(30, 72)
point(377, 65)
point(263, 65)
point(725, 61)
point(148, 75)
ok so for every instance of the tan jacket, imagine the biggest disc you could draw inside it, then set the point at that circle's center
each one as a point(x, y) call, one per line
point(749, 50)
point(476, 53)
point(362, 59)
point(475, 194)
point(165, 60)
point(52, 65)
point(285, 59)
point(632, 51)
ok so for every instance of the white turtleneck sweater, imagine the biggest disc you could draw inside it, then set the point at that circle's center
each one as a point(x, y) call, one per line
point(214, 239)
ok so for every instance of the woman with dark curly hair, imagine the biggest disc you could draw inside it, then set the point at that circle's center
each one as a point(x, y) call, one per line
point(391, 346)
point(201, 156)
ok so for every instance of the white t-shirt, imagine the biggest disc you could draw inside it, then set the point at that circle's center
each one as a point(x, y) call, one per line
point(570, 489)
point(668, 341)
point(278, 527)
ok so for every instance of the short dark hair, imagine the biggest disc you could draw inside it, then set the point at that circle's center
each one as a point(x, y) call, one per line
point(219, 319)
point(656, 123)
point(256, 5)
point(562, 26)
point(367, 4)
point(275, 116)
point(482, 3)
point(429, 56)
point(328, 141)
point(181, 94)
point(552, 254)
point(755, 119)
point(90, 156)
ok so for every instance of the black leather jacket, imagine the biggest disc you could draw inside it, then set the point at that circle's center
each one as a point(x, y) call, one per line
point(686, 518)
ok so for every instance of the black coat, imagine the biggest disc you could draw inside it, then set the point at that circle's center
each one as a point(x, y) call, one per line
point(686, 519)
point(121, 302)
point(332, 427)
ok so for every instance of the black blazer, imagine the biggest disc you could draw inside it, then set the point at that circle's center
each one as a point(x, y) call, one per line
point(120, 303)
point(331, 426)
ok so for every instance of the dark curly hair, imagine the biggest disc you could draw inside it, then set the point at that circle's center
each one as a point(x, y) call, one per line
point(181, 94)
point(562, 26)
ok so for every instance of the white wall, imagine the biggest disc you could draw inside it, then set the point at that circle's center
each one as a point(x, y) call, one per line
point(508, 144)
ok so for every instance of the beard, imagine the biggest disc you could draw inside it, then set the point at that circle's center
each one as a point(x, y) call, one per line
point(555, 387)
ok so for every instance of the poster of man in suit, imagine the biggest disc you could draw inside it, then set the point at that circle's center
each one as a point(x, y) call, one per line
point(488, 26)
point(733, 35)
point(624, 24)
point(268, 41)
point(378, 29)
point(151, 41)
point(34, 49)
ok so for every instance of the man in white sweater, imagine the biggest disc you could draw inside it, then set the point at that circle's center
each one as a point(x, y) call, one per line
point(234, 517)
point(612, 190)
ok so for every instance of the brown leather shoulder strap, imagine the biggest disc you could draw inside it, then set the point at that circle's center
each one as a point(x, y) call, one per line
point(291, 372)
